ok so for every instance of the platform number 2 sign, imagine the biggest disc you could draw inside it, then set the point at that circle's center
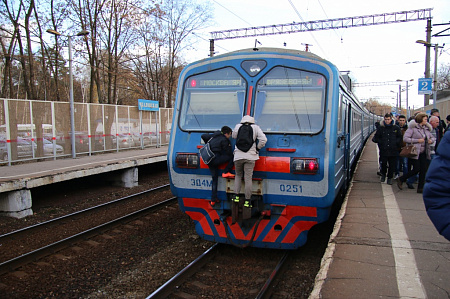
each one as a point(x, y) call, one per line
point(425, 85)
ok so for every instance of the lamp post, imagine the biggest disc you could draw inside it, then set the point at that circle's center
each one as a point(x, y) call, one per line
point(407, 87)
point(72, 109)
point(396, 100)
point(436, 49)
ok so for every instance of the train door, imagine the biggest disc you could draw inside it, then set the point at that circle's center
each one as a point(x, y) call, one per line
point(348, 130)
point(340, 157)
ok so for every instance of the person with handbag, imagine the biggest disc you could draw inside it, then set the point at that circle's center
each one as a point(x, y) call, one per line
point(389, 139)
point(418, 134)
point(220, 145)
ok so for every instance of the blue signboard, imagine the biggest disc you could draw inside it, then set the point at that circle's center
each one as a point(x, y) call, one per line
point(425, 85)
point(148, 105)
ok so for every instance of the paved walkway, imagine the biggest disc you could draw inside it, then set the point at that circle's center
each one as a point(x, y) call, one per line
point(384, 245)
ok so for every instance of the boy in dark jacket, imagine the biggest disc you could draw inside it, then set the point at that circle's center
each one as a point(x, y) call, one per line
point(389, 139)
point(221, 147)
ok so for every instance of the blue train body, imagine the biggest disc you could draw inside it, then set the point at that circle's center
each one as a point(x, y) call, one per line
point(315, 129)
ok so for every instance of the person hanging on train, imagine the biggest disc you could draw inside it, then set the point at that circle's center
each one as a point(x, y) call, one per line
point(221, 147)
point(244, 160)
point(436, 192)
point(418, 134)
point(389, 139)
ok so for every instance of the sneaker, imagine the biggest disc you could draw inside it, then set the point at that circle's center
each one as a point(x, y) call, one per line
point(389, 181)
point(214, 202)
point(395, 176)
point(228, 175)
point(235, 198)
point(378, 173)
point(247, 204)
point(410, 186)
point(399, 184)
point(383, 178)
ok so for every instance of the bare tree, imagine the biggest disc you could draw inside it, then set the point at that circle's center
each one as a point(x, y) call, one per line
point(165, 35)
point(10, 15)
point(182, 18)
point(444, 77)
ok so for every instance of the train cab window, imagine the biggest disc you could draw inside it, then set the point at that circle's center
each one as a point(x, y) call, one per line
point(290, 100)
point(213, 99)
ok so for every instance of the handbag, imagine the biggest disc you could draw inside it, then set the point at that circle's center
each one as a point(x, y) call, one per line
point(206, 153)
point(408, 151)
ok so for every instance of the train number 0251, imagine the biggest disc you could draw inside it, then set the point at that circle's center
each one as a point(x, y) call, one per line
point(291, 188)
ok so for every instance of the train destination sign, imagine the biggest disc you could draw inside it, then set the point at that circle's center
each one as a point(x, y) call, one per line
point(215, 82)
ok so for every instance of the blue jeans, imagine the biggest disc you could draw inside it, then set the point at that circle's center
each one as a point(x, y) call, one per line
point(402, 164)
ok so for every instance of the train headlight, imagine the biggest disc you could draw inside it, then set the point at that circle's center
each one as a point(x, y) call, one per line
point(304, 165)
point(187, 160)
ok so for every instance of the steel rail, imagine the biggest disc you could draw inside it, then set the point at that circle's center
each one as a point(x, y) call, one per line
point(266, 290)
point(26, 258)
point(167, 288)
point(39, 225)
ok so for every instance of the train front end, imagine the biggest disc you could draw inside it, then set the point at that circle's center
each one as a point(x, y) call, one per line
point(291, 96)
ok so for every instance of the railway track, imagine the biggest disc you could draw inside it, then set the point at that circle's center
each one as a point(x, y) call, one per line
point(189, 282)
point(57, 241)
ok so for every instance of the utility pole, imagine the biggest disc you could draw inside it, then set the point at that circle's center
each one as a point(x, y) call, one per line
point(426, 100)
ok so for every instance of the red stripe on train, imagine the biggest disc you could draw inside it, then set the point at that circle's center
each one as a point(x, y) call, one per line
point(292, 211)
point(271, 164)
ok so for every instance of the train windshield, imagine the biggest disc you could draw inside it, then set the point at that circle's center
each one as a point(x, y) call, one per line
point(290, 100)
point(212, 99)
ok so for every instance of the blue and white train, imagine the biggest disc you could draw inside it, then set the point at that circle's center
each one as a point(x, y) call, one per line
point(315, 128)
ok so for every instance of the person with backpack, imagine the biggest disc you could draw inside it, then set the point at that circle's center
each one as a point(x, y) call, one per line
point(246, 153)
point(220, 145)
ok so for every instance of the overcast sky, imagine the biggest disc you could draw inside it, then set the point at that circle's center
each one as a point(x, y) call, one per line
point(377, 53)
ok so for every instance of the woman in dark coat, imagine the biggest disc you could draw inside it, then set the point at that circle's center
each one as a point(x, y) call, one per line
point(436, 193)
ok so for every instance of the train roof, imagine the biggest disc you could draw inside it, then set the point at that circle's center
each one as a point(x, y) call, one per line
point(269, 50)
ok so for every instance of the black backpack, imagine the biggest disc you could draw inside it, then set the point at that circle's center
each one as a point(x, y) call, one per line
point(244, 140)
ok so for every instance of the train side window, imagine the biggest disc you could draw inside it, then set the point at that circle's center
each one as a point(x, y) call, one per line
point(290, 100)
point(339, 124)
point(213, 99)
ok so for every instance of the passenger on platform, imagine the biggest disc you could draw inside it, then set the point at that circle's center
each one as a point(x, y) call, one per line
point(448, 123)
point(402, 162)
point(221, 147)
point(436, 193)
point(244, 162)
point(389, 139)
point(434, 122)
point(441, 126)
point(418, 134)
point(377, 125)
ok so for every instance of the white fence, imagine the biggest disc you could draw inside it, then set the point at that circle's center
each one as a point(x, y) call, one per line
point(36, 130)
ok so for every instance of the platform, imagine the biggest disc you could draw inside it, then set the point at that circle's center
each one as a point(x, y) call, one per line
point(383, 245)
point(17, 180)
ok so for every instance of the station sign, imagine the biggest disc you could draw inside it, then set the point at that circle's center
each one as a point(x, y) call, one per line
point(147, 105)
point(425, 85)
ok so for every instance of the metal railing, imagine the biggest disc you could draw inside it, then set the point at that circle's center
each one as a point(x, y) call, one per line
point(36, 130)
